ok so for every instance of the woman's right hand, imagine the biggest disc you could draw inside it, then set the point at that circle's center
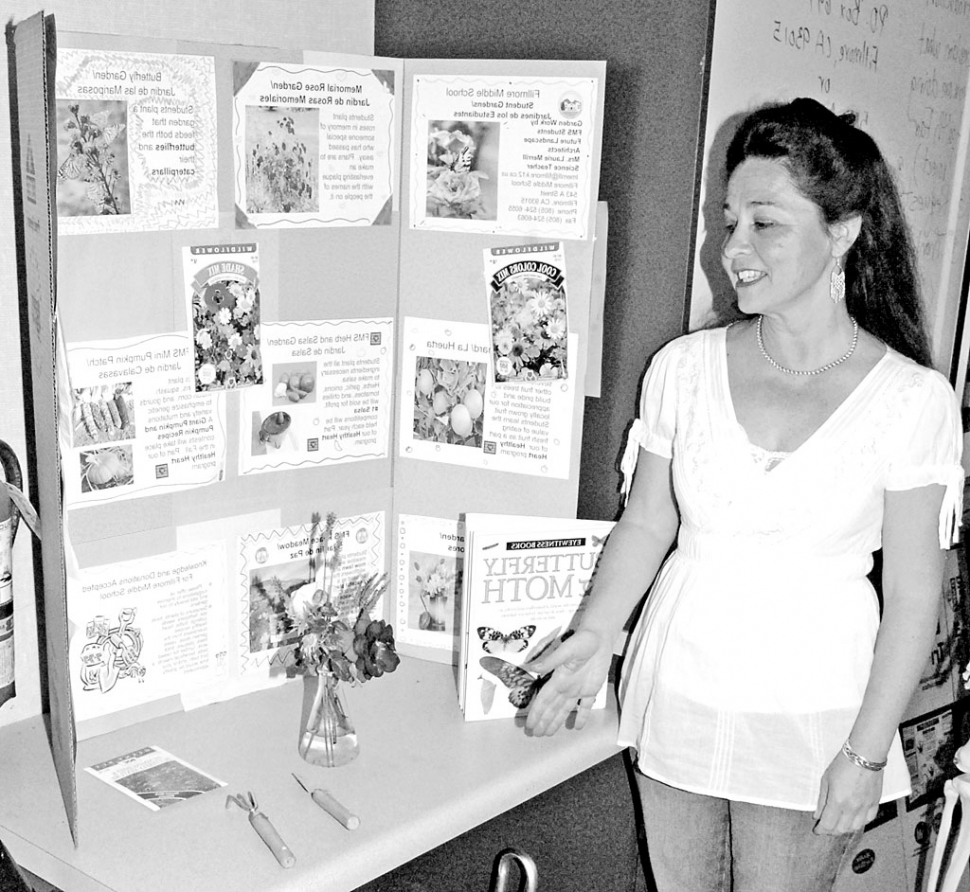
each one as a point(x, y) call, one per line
point(579, 666)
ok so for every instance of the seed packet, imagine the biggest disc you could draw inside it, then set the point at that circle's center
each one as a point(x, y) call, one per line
point(527, 311)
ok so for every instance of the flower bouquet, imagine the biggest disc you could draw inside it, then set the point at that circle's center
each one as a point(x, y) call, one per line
point(336, 639)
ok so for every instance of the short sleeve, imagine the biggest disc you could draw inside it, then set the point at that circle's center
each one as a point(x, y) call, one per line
point(654, 428)
point(930, 449)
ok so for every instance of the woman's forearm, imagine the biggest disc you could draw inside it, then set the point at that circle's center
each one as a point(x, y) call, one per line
point(912, 584)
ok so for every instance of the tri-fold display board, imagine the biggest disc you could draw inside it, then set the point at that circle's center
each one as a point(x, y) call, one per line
point(263, 289)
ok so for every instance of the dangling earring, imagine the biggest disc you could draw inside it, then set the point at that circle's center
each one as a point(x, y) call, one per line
point(837, 283)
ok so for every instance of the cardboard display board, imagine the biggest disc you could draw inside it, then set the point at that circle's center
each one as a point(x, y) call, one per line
point(262, 261)
point(35, 41)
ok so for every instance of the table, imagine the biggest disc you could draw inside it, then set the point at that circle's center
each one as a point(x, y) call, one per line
point(423, 777)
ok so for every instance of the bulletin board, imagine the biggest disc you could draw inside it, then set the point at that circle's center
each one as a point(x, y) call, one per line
point(261, 260)
point(902, 68)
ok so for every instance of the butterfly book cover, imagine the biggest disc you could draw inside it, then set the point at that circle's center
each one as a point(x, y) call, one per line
point(525, 586)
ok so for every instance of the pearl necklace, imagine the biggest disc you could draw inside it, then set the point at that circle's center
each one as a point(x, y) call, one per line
point(820, 369)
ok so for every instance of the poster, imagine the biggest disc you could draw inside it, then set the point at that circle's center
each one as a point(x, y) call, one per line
point(136, 141)
point(929, 744)
point(137, 425)
point(453, 412)
point(276, 563)
point(430, 564)
point(326, 398)
point(146, 629)
point(494, 154)
point(313, 145)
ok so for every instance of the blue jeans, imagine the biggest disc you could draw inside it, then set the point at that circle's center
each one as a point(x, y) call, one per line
point(699, 843)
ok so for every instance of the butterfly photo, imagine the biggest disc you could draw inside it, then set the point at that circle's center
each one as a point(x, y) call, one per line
point(522, 684)
point(496, 642)
point(92, 154)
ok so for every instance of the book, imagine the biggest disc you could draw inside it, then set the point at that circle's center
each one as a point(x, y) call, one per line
point(525, 586)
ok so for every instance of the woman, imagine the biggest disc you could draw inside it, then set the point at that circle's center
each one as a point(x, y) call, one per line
point(763, 684)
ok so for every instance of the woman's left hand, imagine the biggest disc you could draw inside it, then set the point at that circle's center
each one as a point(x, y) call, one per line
point(848, 797)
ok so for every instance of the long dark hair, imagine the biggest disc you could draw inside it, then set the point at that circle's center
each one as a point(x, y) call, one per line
point(840, 168)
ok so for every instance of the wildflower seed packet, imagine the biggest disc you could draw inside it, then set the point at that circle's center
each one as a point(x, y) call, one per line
point(154, 778)
point(315, 145)
point(527, 312)
point(222, 285)
point(136, 142)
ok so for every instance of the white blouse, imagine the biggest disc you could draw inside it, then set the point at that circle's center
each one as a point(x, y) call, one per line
point(748, 665)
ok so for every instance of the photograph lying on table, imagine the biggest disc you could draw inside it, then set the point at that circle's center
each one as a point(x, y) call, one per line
point(154, 777)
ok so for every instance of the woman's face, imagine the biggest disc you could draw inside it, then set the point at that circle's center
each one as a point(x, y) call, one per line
point(777, 251)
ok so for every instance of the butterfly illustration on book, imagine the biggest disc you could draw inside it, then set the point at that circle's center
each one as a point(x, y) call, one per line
point(496, 642)
point(521, 683)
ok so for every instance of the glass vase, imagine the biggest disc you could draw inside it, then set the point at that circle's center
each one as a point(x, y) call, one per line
point(437, 610)
point(329, 738)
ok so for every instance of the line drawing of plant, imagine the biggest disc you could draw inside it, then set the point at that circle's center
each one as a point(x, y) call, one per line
point(281, 161)
point(93, 164)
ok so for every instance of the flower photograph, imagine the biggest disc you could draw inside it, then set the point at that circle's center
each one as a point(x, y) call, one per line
point(449, 401)
point(434, 585)
point(462, 168)
point(269, 590)
point(225, 317)
point(92, 158)
point(282, 148)
point(528, 320)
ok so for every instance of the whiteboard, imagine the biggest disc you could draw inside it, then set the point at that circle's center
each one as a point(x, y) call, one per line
point(903, 67)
